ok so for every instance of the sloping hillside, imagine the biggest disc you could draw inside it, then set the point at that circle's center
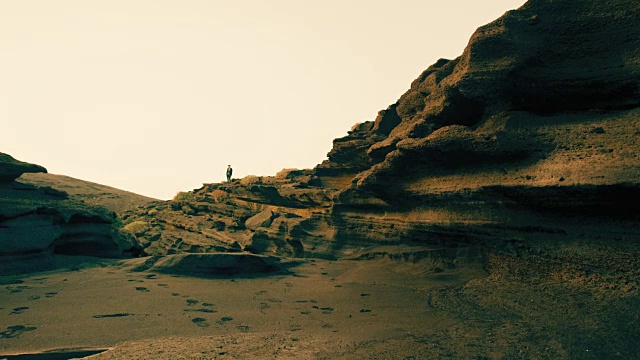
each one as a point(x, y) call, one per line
point(90, 193)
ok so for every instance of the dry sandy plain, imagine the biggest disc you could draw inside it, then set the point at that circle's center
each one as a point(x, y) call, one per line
point(315, 309)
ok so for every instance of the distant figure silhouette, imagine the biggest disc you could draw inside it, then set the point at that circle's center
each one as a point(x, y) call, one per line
point(229, 172)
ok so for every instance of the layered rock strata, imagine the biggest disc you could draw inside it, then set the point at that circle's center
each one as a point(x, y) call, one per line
point(521, 154)
point(38, 223)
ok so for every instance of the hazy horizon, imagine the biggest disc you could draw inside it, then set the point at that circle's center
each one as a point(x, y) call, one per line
point(156, 97)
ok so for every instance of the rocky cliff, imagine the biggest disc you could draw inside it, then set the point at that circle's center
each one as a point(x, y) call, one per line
point(534, 124)
point(525, 146)
point(521, 155)
point(39, 223)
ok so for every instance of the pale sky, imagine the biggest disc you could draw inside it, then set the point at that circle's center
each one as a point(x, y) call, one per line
point(158, 96)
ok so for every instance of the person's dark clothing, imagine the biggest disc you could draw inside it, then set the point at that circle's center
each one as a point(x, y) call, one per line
point(229, 172)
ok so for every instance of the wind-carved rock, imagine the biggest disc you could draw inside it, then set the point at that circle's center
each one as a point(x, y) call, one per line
point(11, 169)
point(544, 59)
point(38, 223)
point(525, 141)
point(519, 159)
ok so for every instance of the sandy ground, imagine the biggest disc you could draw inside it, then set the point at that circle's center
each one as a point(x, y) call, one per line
point(346, 309)
point(325, 309)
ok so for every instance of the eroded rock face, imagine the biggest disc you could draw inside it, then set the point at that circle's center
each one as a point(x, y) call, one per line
point(11, 169)
point(38, 223)
point(541, 104)
point(286, 215)
point(349, 153)
point(524, 149)
point(544, 59)
point(521, 157)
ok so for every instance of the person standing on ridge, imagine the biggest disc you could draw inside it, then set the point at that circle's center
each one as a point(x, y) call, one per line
point(229, 172)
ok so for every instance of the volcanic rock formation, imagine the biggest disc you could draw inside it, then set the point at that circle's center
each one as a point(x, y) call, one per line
point(11, 169)
point(535, 123)
point(37, 223)
point(520, 156)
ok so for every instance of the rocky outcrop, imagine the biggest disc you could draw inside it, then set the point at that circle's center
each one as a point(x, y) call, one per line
point(540, 107)
point(263, 219)
point(526, 141)
point(281, 215)
point(544, 59)
point(212, 265)
point(520, 157)
point(11, 169)
point(349, 153)
point(38, 223)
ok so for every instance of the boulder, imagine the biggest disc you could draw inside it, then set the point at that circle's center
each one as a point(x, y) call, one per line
point(261, 219)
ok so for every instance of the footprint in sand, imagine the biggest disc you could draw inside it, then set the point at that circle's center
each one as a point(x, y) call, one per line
point(202, 322)
point(150, 276)
point(272, 300)
point(325, 310)
point(15, 331)
point(243, 328)
point(18, 288)
point(19, 310)
point(135, 280)
point(11, 282)
point(163, 285)
point(175, 294)
point(224, 319)
point(50, 294)
point(143, 289)
point(261, 292)
point(33, 297)
point(201, 310)
point(207, 304)
point(191, 302)
point(111, 315)
point(264, 306)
